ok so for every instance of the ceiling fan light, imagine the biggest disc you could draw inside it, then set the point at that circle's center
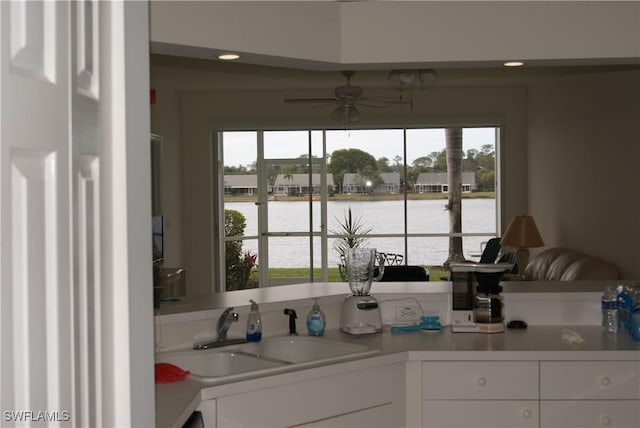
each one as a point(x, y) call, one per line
point(426, 76)
point(403, 77)
point(411, 77)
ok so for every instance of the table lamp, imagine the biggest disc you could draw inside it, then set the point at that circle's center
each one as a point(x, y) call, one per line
point(522, 234)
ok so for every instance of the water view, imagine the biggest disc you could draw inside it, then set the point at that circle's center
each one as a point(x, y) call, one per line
point(382, 217)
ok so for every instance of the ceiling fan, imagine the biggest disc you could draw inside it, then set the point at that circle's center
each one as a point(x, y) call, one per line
point(348, 97)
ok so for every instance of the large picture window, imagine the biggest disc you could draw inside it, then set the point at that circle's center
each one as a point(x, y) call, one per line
point(292, 195)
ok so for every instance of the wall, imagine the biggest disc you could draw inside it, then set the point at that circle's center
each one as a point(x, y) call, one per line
point(200, 112)
point(409, 32)
point(584, 146)
point(165, 121)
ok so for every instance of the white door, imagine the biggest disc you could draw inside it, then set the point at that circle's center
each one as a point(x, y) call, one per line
point(75, 315)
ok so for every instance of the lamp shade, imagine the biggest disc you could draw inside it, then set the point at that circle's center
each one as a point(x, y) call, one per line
point(522, 233)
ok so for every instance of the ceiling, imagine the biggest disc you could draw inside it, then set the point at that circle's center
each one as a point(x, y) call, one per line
point(197, 74)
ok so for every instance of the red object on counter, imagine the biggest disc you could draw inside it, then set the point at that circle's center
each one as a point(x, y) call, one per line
point(167, 373)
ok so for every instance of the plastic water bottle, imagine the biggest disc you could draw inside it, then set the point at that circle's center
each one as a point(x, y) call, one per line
point(609, 311)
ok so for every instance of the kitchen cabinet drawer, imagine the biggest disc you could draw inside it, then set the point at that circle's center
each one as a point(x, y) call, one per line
point(302, 403)
point(380, 416)
point(587, 380)
point(587, 413)
point(479, 414)
point(513, 380)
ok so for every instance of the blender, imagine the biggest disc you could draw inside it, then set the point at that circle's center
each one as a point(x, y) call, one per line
point(360, 311)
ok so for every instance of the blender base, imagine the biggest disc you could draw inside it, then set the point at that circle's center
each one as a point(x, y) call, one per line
point(360, 315)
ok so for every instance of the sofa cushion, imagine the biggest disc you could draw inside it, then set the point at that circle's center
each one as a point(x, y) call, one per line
point(565, 264)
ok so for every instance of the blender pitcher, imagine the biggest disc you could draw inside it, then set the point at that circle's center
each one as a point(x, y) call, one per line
point(360, 265)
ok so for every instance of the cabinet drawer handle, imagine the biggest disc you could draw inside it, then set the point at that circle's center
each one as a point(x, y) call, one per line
point(527, 413)
point(606, 421)
point(481, 381)
point(605, 381)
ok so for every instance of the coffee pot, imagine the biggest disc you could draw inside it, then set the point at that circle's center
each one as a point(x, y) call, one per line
point(360, 311)
point(477, 305)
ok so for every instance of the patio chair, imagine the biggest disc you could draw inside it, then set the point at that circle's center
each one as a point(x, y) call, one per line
point(490, 251)
point(404, 273)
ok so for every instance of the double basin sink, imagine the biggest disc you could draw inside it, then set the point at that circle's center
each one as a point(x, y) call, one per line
point(272, 354)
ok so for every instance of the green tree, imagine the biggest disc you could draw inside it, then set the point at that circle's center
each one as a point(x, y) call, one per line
point(235, 170)
point(439, 161)
point(383, 165)
point(234, 225)
point(397, 163)
point(470, 163)
point(422, 163)
point(486, 168)
point(350, 160)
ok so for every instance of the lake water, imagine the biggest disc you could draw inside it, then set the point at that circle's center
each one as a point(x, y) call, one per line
point(382, 217)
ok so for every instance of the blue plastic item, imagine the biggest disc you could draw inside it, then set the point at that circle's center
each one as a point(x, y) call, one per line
point(404, 328)
point(431, 322)
point(426, 323)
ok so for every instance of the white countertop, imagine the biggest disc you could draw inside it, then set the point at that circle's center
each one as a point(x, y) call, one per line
point(176, 401)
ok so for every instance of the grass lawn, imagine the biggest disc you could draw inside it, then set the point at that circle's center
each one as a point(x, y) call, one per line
point(435, 273)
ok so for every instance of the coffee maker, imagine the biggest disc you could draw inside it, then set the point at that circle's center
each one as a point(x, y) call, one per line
point(360, 312)
point(476, 303)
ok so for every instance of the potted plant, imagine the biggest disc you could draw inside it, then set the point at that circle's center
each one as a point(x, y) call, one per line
point(350, 234)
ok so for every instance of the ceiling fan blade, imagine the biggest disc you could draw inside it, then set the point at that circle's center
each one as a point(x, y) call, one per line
point(373, 104)
point(339, 113)
point(309, 100)
point(346, 113)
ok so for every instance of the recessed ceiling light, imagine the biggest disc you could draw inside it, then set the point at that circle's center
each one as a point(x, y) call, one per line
point(228, 56)
point(514, 64)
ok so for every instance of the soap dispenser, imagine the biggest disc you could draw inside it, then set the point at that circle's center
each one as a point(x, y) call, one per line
point(316, 320)
point(254, 323)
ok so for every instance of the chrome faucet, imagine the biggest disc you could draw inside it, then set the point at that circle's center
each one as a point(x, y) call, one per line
point(224, 322)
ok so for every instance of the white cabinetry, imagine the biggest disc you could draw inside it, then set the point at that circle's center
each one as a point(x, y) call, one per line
point(208, 410)
point(480, 394)
point(379, 416)
point(545, 394)
point(371, 397)
point(589, 393)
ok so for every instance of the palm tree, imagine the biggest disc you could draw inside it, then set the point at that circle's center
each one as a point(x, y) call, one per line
point(453, 138)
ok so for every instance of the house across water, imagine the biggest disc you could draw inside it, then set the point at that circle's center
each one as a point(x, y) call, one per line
point(355, 183)
point(298, 184)
point(245, 184)
point(438, 182)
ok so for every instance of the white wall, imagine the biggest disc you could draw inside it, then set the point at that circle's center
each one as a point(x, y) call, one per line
point(584, 147)
point(407, 32)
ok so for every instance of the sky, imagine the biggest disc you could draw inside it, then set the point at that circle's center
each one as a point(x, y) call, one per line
point(240, 148)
